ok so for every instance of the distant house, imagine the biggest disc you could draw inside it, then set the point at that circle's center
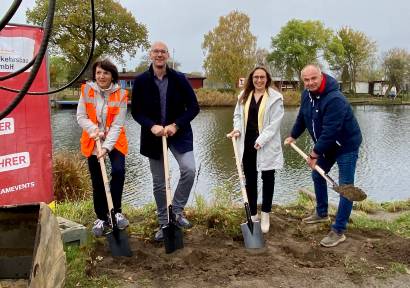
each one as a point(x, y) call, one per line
point(126, 79)
point(286, 84)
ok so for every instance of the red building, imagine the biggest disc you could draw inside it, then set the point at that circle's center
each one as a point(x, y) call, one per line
point(126, 79)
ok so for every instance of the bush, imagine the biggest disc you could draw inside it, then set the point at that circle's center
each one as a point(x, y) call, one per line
point(71, 177)
point(212, 97)
point(291, 98)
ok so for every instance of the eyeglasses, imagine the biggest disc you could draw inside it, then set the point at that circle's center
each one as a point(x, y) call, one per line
point(159, 51)
point(259, 77)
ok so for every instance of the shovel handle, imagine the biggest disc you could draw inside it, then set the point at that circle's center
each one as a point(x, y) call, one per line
point(105, 179)
point(239, 168)
point(166, 172)
point(317, 167)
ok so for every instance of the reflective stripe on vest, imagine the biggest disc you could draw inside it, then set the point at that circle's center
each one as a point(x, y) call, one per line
point(113, 105)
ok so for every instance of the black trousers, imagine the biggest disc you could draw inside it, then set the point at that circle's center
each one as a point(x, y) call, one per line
point(251, 175)
point(117, 160)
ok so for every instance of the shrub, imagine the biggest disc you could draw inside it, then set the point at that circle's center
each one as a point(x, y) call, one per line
point(71, 177)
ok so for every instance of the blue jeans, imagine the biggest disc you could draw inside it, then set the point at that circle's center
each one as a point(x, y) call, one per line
point(347, 167)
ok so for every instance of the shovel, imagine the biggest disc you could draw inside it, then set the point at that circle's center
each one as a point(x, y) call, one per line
point(173, 236)
point(117, 239)
point(349, 191)
point(251, 231)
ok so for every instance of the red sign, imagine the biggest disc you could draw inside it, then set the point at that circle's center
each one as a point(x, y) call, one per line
point(25, 134)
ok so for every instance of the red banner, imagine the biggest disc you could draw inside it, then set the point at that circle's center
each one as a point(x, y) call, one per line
point(25, 134)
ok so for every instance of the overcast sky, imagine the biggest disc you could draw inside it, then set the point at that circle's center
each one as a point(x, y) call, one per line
point(182, 24)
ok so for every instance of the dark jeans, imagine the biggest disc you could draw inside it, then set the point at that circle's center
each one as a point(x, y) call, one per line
point(251, 176)
point(347, 167)
point(117, 160)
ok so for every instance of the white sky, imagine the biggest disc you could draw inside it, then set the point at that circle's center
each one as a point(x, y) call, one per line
point(182, 24)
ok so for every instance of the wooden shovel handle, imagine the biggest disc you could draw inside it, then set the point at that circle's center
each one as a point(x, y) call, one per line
point(240, 173)
point(166, 171)
point(317, 167)
point(105, 179)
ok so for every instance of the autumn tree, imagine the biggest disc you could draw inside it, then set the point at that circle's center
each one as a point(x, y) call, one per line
point(297, 44)
point(59, 70)
point(350, 50)
point(396, 64)
point(117, 31)
point(229, 49)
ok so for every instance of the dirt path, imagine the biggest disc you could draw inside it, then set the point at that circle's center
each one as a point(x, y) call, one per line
point(292, 257)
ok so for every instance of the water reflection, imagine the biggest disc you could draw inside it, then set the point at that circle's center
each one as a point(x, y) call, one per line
point(383, 167)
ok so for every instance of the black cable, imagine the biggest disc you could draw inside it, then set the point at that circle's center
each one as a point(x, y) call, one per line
point(79, 74)
point(17, 72)
point(10, 13)
point(37, 62)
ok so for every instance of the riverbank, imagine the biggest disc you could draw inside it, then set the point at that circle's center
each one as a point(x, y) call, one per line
point(215, 98)
point(375, 254)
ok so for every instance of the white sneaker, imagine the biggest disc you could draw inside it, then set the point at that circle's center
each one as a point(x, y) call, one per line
point(122, 222)
point(255, 218)
point(100, 227)
point(265, 222)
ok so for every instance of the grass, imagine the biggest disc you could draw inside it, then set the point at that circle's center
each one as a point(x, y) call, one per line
point(78, 272)
point(223, 215)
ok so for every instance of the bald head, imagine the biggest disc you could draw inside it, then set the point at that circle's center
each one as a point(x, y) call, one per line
point(159, 45)
point(159, 56)
point(311, 68)
point(312, 77)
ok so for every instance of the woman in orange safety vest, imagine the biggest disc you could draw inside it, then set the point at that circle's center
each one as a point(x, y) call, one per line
point(101, 111)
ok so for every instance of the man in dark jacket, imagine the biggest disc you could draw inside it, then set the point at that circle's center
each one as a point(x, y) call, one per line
point(164, 103)
point(329, 119)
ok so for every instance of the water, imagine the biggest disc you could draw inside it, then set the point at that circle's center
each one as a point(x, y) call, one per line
point(382, 170)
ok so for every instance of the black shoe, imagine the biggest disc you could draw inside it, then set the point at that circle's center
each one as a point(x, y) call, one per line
point(182, 222)
point(159, 236)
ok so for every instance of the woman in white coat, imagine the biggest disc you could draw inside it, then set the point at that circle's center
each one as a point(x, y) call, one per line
point(257, 118)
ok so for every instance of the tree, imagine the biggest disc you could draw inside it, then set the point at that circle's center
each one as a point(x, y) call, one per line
point(351, 50)
point(59, 70)
point(229, 49)
point(396, 63)
point(117, 31)
point(297, 44)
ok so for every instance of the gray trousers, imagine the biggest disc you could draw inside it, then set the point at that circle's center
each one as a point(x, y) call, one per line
point(186, 162)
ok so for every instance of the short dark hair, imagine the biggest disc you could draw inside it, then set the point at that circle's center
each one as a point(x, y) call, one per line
point(108, 66)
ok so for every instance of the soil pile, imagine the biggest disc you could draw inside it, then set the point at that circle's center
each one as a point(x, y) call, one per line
point(292, 257)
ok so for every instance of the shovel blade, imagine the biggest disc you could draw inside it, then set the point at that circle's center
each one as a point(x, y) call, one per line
point(173, 238)
point(252, 239)
point(118, 243)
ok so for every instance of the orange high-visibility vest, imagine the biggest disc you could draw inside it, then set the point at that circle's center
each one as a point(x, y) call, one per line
point(113, 106)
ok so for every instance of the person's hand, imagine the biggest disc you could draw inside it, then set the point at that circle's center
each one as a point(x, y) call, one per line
point(312, 159)
point(257, 146)
point(97, 134)
point(233, 133)
point(102, 153)
point(289, 140)
point(157, 130)
point(171, 129)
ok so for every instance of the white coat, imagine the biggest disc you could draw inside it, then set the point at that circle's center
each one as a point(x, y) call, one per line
point(270, 155)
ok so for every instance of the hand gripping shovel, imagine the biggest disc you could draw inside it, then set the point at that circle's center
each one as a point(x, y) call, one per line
point(173, 236)
point(350, 192)
point(251, 231)
point(117, 239)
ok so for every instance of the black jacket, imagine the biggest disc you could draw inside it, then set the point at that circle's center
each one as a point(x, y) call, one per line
point(329, 119)
point(181, 109)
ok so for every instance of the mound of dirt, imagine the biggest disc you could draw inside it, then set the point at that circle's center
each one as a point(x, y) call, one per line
point(292, 257)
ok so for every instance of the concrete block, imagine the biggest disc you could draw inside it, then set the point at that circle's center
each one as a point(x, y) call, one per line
point(72, 232)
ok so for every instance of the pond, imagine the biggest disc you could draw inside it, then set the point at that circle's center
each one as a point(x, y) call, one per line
point(383, 168)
